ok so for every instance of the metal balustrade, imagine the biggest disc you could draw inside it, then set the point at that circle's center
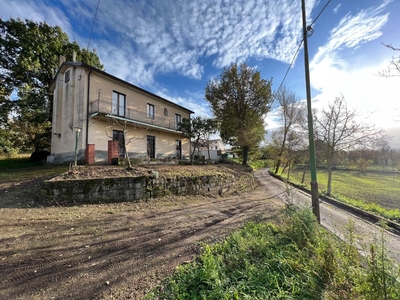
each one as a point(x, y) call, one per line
point(107, 108)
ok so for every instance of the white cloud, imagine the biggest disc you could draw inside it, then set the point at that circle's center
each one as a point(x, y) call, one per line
point(35, 11)
point(200, 107)
point(336, 9)
point(332, 73)
point(351, 32)
point(175, 36)
point(166, 36)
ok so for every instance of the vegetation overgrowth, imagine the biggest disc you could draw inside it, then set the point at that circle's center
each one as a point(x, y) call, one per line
point(295, 260)
point(261, 164)
point(21, 168)
point(377, 192)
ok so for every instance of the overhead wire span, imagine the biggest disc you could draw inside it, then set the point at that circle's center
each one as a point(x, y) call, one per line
point(329, 1)
point(309, 28)
point(94, 19)
point(291, 63)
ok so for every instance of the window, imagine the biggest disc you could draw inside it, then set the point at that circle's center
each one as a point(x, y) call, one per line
point(178, 119)
point(67, 76)
point(165, 112)
point(118, 104)
point(150, 111)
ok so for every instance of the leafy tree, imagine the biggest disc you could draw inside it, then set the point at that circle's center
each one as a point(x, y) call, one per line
point(338, 129)
point(29, 54)
point(7, 145)
point(197, 129)
point(239, 100)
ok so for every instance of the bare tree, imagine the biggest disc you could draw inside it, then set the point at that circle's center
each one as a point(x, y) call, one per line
point(290, 116)
point(339, 129)
point(294, 143)
point(125, 127)
point(394, 65)
point(385, 151)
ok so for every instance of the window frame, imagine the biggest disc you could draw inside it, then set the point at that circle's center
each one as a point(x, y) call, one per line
point(151, 111)
point(67, 76)
point(178, 119)
point(178, 149)
point(118, 107)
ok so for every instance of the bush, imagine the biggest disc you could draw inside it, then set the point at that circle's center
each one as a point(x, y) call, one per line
point(39, 156)
point(299, 260)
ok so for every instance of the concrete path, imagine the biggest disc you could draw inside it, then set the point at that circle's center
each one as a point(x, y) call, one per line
point(334, 219)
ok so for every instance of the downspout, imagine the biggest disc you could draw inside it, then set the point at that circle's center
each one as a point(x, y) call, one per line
point(87, 111)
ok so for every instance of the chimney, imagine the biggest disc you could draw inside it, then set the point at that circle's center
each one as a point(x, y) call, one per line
point(61, 59)
point(74, 56)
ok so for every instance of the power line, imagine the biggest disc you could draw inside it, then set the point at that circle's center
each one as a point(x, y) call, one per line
point(291, 63)
point(309, 28)
point(94, 19)
point(319, 13)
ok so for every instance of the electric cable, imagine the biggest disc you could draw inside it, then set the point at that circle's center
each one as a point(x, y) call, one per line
point(94, 19)
point(319, 13)
point(309, 29)
point(291, 63)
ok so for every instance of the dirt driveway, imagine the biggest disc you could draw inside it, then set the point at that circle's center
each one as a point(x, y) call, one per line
point(114, 251)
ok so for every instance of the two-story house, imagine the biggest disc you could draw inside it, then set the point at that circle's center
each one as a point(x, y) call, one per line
point(92, 108)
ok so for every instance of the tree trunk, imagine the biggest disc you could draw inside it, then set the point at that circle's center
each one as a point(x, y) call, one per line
point(284, 168)
point(128, 164)
point(245, 155)
point(193, 152)
point(278, 164)
point(192, 157)
point(290, 164)
point(209, 152)
point(304, 173)
point(281, 153)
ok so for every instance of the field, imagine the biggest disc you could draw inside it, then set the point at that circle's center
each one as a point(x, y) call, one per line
point(125, 250)
point(107, 251)
point(382, 188)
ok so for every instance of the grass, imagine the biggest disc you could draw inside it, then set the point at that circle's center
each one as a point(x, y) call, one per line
point(20, 168)
point(298, 260)
point(260, 164)
point(375, 192)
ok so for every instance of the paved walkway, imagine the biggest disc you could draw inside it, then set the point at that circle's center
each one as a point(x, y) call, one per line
point(334, 219)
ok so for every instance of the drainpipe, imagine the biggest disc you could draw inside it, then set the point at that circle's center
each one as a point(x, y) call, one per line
point(87, 110)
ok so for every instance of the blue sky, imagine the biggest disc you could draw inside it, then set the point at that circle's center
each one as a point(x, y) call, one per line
point(172, 48)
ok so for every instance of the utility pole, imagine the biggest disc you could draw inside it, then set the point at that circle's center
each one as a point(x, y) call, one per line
point(314, 183)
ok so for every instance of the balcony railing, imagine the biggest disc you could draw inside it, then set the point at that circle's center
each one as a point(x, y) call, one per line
point(105, 107)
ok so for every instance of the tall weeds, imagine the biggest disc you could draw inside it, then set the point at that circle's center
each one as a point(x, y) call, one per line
point(296, 260)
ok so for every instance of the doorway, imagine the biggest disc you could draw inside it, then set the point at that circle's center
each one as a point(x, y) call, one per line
point(118, 136)
point(178, 145)
point(151, 146)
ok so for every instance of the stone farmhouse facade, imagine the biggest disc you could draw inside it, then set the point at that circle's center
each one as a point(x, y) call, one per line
point(92, 108)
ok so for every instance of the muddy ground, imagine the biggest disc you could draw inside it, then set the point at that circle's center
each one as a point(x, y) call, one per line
point(113, 251)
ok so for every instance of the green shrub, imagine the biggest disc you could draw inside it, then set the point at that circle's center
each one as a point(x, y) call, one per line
point(298, 260)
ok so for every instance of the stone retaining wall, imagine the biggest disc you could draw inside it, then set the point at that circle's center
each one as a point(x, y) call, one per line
point(136, 188)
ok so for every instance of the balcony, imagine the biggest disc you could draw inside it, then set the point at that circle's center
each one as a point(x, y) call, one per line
point(100, 107)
